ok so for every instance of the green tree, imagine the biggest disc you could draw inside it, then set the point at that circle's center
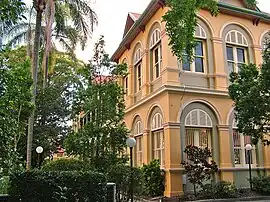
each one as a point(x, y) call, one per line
point(62, 14)
point(197, 167)
point(15, 106)
point(11, 11)
point(181, 21)
point(53, 104)
point(102, 140)
point(250, 91)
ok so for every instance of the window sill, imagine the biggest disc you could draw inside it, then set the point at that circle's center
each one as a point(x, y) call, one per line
point(202, 74)
point(138, 93)
point(156, 80)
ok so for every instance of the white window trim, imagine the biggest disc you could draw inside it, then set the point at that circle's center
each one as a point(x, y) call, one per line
point(189, 115)
point(156, 127)
point(153, 41)
point(236, 38)
point(242, 150)
point(235, 61)
point(192, 64)
point(156, 47)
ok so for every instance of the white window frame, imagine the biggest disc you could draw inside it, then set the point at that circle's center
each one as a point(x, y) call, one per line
point(138, 64)
point(200, 38)
point(243, 159)
point(236, 45)
point(155, 44)
point(157, 130)
point(138, 135)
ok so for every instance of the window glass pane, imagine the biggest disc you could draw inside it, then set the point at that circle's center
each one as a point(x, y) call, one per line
point(157, 70)
point(199, 49)
point(156, 55)
point(237, 156)
point(186, 64)
point(199, 65)
point(229, 51)
point(230, 67)
point(236, 139)
point(139, 71)
point(240, 55)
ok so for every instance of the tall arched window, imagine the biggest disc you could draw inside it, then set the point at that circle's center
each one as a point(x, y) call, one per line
point(198, 65)
point(239, 143)
point(138, 135)
point(265, 40)
point(137, 61)
point(158, 139)
point(236, 49)
point(125, 79)
point(155, 53)
point(198, 126)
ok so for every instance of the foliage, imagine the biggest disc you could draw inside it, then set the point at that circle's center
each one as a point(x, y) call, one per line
point(261, 184)
point(218, 190)
point(250, 91)
point(11, 12)
point(65, 165)
point(38, 185)
point(101, 141)
point(15, 106)
point(153, 179)
point(181, 21)
point(4, 184)
point(121, 175)
point(197, 166)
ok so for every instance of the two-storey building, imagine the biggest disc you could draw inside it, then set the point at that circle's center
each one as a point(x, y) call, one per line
point(170, 104)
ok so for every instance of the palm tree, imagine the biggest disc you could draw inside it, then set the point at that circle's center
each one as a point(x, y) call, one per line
point(69, 22)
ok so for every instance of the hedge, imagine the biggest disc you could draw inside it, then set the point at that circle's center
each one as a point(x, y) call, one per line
point(65, 165)
point(43, 186)
point(261, 184)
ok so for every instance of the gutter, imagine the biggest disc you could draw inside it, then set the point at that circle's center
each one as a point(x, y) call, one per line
point(253, 13)
point(136, 26)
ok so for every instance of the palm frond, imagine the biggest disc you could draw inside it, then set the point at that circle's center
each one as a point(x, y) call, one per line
point(17, 39)
point(68, 47)
point(82, 16)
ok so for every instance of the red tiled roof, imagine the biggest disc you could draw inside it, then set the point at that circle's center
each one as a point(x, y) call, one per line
point(102, 78)
point(135, 16)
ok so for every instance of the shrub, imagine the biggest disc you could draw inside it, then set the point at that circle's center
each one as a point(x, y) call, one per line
point(153, 179)
point(121, 175)
point(65, 165)
point(43, 186)
point(4, 183)
point(261, 184)
point(220, 189)
point(197, 166)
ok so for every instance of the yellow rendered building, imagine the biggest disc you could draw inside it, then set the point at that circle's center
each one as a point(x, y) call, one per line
point(170, 104)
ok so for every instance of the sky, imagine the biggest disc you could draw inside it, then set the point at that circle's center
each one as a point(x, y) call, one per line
point(112, 16)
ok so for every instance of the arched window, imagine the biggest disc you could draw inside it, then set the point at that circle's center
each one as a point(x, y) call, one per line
point(138, 135)
point(265, 40)
point(199, 52)
point(125, 79)
point(239, 143)
point(198, 126)
point(236, 49)
point(155, 53)
point(198, 65)
point(137, 61)
point(158, 139)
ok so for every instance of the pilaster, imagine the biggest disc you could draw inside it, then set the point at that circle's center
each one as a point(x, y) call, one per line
point(225, 152)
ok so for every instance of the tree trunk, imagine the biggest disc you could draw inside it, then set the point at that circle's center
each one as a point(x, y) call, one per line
point(48, 33)
point(35, 61)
